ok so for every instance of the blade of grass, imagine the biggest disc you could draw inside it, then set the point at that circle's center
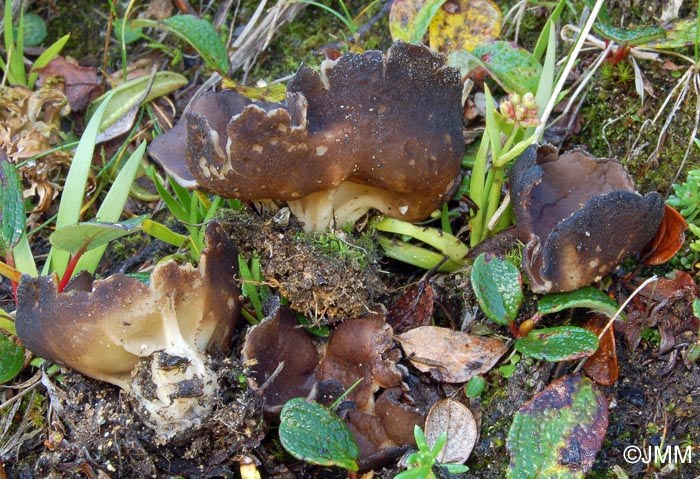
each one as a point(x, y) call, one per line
point(113, 205)
point(74, 188)
point(163, 233)
point(45, 58)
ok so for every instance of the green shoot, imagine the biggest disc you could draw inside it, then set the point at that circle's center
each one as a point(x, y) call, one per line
point(421, 463)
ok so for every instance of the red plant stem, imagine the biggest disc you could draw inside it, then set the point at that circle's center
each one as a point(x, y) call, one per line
point(514, 329)
point(71, 265)
point(10, 260)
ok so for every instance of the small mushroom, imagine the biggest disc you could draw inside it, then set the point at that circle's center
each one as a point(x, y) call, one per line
point(148, 339)
point(279, 340)
point(360, 349)
point(579, 217)
point(368, 131)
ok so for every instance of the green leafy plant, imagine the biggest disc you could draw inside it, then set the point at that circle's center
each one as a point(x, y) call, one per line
point(199, 33)
point(13, 65)
point(253, 287)
point(192, 208)
point(313, 433)
point(422, 462)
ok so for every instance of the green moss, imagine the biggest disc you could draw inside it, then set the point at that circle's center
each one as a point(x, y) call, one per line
point(616, 125)
point(302, 40)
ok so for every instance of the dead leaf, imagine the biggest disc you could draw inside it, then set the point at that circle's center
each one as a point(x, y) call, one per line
point(666, 305)
point(413, 309)
point(464, 24)
point(457, 421)
point(668, 240)
point(450, 356)
point(81, 85)
point(602, 365)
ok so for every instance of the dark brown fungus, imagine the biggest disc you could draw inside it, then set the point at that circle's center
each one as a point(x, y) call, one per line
point(148, 339)
point(358, 348)
point(279, 339)
point(367, 131)
point(579, 217)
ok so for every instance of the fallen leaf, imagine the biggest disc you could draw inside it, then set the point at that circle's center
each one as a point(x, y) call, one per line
point(464, 24)
point(450, 356)
point(413, 309)
point(602, 365)
point(409, 19)
point(666, 304)
point(668, 240)
point(559, 431)
point(81, 85)
point(457, 421)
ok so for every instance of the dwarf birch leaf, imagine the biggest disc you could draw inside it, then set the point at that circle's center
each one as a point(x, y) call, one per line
point(11, 359)
point(513, 67)
point(197, 32)
point(562, 343)
point(498, 288)
point(12, 215)
point(558, 433)
point(586, 297)
point(315, 434)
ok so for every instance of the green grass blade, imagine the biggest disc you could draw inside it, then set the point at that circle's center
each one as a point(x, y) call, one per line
point(46, 57)
point(113, 205)
point(74, 188)
point(24, 259)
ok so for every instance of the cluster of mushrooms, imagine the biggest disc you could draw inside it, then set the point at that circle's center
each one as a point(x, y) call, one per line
point(375, 130)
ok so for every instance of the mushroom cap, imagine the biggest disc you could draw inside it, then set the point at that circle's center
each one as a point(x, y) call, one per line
point(102, 333)
point(279, 339)
point(579, 217)
point(389, 125)
point(356, 349)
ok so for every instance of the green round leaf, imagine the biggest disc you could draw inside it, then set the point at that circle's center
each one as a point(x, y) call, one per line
point(475, 386)
point(34, 30)
point(498, 288)
point(313, 433)
point(11, 359)
point(558, 433)
point(562, 343)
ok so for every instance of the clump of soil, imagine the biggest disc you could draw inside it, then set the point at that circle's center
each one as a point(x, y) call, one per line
point(324, 277)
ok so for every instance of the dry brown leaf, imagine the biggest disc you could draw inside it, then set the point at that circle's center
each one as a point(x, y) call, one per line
point(81, 85)
point(602, 365)
point(450, 356)
point(457, 420)
point(413, 309)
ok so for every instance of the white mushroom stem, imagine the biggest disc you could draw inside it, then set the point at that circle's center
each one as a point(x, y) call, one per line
point(179, 388)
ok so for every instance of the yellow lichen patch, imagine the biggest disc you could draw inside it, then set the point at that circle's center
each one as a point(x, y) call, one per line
point(464, 24)
point(29, 126)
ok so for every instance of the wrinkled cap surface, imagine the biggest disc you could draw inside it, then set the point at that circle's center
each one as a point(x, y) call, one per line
point(104, 332)
point(579, 217)
point(386, 127)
